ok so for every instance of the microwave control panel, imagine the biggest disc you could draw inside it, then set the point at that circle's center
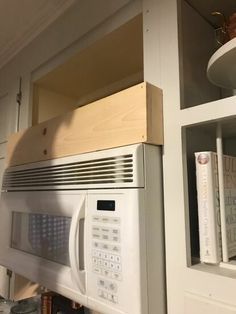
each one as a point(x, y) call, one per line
point(106, 256)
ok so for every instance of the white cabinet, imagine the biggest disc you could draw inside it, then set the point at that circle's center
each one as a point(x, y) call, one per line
point(192, 109)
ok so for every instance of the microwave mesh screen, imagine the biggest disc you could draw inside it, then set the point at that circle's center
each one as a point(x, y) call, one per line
point(42, 235)
point(110, 170)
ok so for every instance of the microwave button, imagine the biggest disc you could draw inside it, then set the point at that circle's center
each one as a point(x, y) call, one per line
point(105, 263)
point(115, 231)
point(116, 248)
point(106, 256)
point(95, 260)
point(112, 286)
point(100, 262)
point(118, 267)
point(112, 257)
point(96, 229)
point(104, 246)
point(95, 244)
point(112, 265)
point(106, 273)
point(115, 238)
point(96, 235)
point(112, 298)
point(102, 255)
point(105, 237)
point(101, 282)
point(96, 219)
point(102, 294)
point(99, 254)
point(117, 259)
point(97, 270)
point(115, 220)
point(116, 276)
point(105, 230)
point(105, 219)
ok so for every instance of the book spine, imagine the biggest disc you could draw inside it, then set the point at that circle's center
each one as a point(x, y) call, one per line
point(208, 207)
point(230, 203)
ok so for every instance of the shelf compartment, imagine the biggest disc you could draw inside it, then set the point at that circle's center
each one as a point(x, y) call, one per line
point(106, 66)
point(204, 137)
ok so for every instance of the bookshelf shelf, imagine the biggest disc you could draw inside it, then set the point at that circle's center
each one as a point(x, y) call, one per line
point(193, 108)
point(209, 112)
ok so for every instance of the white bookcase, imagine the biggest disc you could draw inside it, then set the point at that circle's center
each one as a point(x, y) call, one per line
point(193, 107)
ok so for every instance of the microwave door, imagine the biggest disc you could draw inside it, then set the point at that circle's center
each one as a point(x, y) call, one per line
point(41, 238)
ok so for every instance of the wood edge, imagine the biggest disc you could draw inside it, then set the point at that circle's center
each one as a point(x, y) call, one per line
point(154, 101)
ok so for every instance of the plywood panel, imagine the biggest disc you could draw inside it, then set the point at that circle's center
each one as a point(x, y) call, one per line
point(131, 116)
point(111, 59)
point(49, 104)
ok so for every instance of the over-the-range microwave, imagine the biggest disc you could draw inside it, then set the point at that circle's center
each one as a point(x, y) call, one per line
point(89, 227)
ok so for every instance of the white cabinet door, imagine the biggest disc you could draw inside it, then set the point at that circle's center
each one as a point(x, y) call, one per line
point(4, 117)
point(8, 125)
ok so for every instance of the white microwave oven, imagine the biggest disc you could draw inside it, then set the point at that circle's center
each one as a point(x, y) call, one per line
point(89, 227)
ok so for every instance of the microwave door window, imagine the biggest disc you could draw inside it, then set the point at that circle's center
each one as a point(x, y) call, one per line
point(43, 235)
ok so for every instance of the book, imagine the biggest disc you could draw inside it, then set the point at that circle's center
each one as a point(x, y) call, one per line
point(209, 205)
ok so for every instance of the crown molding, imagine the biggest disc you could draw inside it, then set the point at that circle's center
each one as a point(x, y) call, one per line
point(45, 16)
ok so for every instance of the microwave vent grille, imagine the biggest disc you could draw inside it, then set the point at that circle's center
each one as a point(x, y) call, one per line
point(78, 174)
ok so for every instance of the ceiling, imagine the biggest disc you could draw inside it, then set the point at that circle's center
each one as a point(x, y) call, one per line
point(22, 20)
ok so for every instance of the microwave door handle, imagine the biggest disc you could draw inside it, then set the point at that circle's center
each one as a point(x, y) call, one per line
point(74, 250)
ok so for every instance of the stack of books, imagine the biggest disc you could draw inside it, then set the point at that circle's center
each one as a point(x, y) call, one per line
point(209, 205)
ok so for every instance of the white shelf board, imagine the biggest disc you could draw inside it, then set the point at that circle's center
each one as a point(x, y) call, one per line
point(209, 112)
point(221, 69)
point(213, 282)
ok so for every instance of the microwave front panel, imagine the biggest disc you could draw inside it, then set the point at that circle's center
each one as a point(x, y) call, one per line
point(113, 256)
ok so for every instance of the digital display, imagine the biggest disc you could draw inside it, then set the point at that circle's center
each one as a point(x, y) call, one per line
point(106, 205)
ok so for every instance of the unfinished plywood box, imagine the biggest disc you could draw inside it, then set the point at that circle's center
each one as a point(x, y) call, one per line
point(130, 116)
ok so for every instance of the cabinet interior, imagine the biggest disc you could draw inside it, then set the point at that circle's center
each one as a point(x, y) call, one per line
point(197, 45)
point(203, 138)
point(108, 65)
